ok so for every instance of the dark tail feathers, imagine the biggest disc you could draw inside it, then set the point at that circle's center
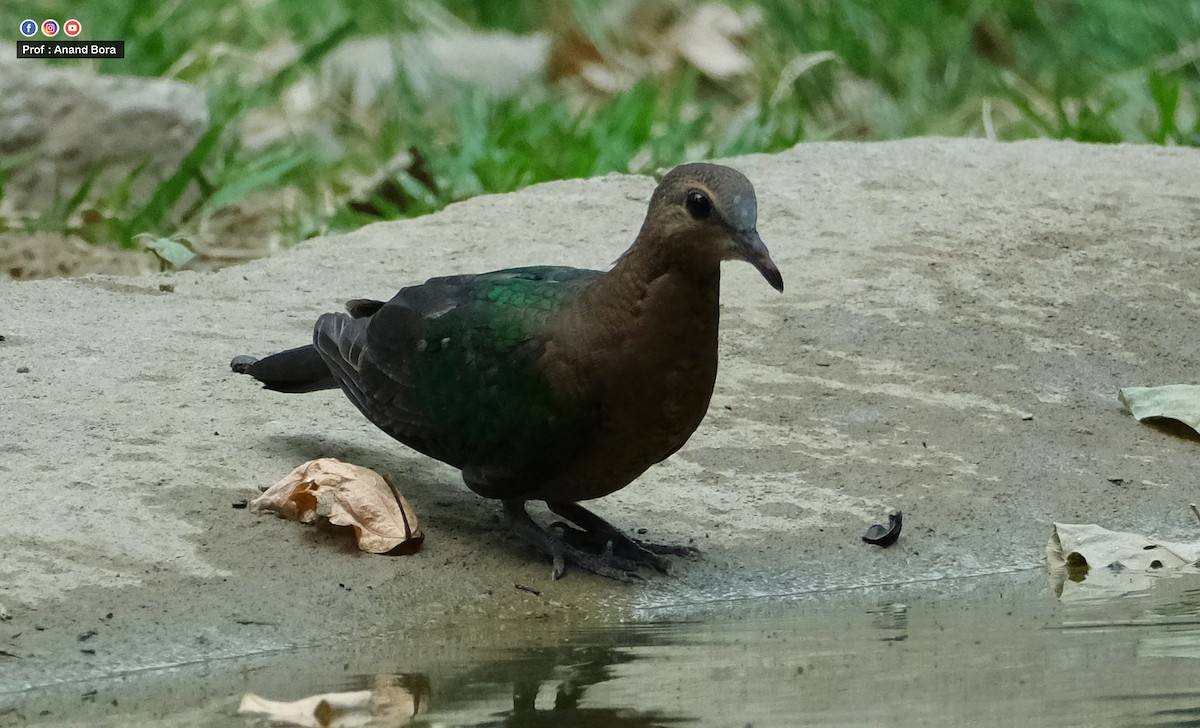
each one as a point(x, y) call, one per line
point(294, 371)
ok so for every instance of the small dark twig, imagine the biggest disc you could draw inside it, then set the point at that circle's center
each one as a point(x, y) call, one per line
point(255, 623)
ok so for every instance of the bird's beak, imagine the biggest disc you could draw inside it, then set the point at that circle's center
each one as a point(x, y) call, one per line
point(751, 249)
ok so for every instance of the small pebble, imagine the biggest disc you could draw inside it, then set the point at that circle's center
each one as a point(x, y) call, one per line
point(166, 287)
point(22, 370)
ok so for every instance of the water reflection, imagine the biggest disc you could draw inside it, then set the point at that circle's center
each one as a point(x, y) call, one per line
point(974, 652)
point(1170, 717)
point(545, 687)
point(530, 688)
point(386, 700)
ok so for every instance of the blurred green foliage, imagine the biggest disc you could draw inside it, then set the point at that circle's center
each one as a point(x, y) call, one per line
point(1089, 70)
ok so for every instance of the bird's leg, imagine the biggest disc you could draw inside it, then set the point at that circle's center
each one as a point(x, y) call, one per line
point(560, 549)
point(605, 535)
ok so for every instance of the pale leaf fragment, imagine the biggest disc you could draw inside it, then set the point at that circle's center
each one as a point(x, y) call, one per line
point(1113, 562)
point(707, 39)
point(344, 495)
point(1172, 401)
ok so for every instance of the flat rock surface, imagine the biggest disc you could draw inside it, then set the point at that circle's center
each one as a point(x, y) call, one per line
point(958, 318)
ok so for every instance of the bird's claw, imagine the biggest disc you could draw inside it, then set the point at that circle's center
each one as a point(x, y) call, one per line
point(604, 564)
point(620, 546)
point(618, 549)
point(591, 544)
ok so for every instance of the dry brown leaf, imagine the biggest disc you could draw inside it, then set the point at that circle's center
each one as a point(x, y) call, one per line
point(345, 495)
point(570, 53)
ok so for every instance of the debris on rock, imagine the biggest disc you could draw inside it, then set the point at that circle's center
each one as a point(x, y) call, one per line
point(880, 535)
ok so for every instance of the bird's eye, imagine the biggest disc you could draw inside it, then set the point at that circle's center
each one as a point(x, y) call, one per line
point(698, 205)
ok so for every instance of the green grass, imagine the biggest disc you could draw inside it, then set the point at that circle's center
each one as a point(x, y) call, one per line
point(1091, 70)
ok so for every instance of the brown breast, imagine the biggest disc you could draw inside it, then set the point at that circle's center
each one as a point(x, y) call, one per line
point(651, 363)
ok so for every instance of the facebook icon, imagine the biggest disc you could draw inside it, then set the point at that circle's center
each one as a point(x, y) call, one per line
point(28, 28)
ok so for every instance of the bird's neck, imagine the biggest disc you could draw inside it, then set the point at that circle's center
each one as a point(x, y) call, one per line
point(650, 289)
point(643, 264)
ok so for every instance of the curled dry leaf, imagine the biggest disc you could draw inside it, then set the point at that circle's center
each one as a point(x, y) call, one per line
point(345, 495)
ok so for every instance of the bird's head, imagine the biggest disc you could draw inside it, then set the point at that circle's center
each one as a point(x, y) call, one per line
point(709, 212)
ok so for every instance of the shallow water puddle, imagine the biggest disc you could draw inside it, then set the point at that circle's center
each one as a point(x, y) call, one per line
point(982, 651)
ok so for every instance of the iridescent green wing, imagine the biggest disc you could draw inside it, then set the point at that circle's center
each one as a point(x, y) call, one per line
point(451, 369)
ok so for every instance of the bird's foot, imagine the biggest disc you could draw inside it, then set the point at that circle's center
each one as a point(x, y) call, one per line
point(561, 544)
point(641, 553)
point(595, 533)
